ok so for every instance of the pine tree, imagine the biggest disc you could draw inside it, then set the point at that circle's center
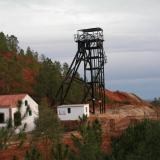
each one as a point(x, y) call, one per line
point(88, 145)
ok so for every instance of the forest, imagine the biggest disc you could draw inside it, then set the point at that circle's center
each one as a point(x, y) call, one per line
point(25, 71)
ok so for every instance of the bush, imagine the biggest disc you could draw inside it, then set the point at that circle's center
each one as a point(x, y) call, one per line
point(48, 126)
point(33, 154)
point(88, 145)
point(156, 102)
point(139, 142)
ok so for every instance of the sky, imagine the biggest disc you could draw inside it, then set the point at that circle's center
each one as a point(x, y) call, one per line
point(131, 33)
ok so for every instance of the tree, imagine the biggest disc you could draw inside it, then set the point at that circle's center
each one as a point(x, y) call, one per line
point(88, 145)
point(32, 54)
point(156, 102)
point(65, 69)
point(29, 52)
point(12, 43)
point(48, 125)
point(139, 142)
point(48, 80)
point(48, 128)
point(8, 43)
point(60, 152)
point(3, 43)
point(33, 154)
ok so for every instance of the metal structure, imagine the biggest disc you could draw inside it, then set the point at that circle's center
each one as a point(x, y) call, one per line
point(91, 55)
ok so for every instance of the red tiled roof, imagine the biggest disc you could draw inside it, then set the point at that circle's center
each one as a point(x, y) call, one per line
point(10, 100)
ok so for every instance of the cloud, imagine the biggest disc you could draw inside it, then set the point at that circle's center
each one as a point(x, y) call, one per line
point(131, 31)
point(130, 65)
point(147, 88)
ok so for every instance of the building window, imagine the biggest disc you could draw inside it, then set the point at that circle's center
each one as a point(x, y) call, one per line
point(17, 118)
point(69, 110)
point(86, 110)
point(30, 113)
point(1, 117)
point(26, 103)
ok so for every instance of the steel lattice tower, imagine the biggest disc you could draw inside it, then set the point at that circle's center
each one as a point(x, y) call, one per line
point(92, 56)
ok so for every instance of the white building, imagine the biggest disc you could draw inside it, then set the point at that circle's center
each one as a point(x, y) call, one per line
point(8, 110)
point(72, 112)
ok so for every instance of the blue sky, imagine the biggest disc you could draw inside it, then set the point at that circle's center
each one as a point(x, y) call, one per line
point(131, 31)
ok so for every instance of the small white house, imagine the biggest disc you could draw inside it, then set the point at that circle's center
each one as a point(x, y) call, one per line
point(72, 112)
point(8, 109)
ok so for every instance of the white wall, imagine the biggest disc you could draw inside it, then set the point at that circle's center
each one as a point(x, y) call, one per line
point(76, 111)
point(6, 116)
point(29, 120)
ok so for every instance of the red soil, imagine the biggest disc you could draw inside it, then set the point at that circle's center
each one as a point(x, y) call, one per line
point(114, 122)
point(117, 98)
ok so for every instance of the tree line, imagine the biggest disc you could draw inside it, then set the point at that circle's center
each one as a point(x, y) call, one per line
point(156, 101)
point(25, 71)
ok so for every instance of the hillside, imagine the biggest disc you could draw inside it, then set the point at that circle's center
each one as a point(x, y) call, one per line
point(122, 110)
point(120, 98)
point(25, 71)
point(123, 107)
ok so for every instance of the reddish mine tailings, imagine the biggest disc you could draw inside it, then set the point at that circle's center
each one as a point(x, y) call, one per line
point(118, 98)
point(123, 109)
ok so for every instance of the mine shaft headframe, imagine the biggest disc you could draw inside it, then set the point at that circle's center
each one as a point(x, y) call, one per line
point(91, 54)
point(90, 34)
point(90, 42)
